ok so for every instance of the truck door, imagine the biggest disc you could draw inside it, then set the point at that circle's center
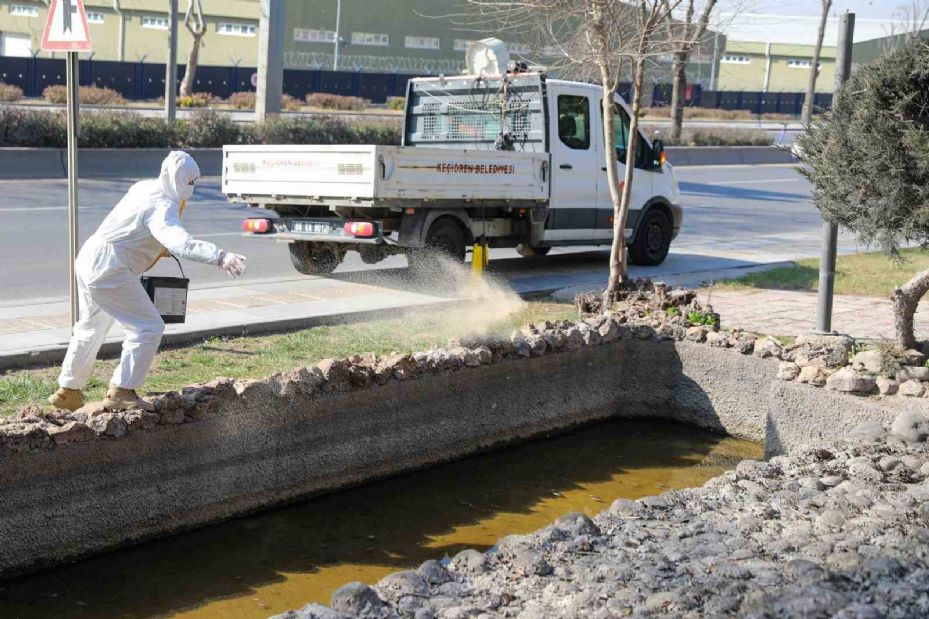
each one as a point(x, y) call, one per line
point(574, 159)
point(642, 180)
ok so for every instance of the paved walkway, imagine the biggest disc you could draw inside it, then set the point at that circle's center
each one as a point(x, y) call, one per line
point(781, 312)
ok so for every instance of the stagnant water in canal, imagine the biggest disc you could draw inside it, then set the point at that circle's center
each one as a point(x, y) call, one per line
point(265, 564)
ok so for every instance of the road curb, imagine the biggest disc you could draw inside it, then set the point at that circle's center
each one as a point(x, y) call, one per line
point(50, 163)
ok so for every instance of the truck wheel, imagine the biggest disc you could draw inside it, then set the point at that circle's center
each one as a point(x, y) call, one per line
point(444, 240)
point(652, 240)
point(314, 258)
point(527, 251)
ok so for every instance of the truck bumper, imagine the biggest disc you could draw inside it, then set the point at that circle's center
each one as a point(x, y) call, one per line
point(318, 230)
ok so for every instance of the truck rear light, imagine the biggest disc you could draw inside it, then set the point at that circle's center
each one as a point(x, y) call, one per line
point(359, 228)
point(256, 226)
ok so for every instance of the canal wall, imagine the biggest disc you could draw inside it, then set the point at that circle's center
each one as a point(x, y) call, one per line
point(76, 484)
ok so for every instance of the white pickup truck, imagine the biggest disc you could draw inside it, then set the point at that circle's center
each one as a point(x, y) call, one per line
point(515, 159)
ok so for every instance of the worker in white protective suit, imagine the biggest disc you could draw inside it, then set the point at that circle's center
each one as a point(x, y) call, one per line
point(143, 227)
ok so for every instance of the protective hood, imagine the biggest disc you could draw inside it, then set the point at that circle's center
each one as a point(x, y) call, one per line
point(177, 170)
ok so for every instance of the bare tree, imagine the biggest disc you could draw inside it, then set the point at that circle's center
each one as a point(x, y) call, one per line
point(909, 23)
point(806, 114)
point(686, 32)
point(607, 37)
point(196, 25)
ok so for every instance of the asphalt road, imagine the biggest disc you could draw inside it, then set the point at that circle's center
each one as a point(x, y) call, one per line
point(734, 216)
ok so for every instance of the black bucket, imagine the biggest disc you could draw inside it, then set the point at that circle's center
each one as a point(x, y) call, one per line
point(169, 294)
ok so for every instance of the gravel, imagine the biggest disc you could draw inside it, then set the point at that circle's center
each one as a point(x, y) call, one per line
point(840, 530)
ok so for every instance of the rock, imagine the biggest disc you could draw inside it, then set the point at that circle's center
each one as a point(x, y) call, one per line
point(913, 357)
point(907, 373)
point(872, 361)
point(71, 432)
point(433, 572)
point(469, 562)
point(357, 599)
point(862, 468)
point(335, 374)
point(109, 424)
point(312, 611)
point(300, 383)
point(718, 340)
point(522, 348)
point(31, 411)
point(531, 564)
point(887, 386)
point(787, 370)
point(485, 356)
point(399, 584)
point(643, 332)
point(537, 345)
point(743, 342)
point(813, 375)
point(768, 348)
point(576, 523)
point(912, 388)
point(400, 365)
point(608, 331)
point(697, 333)
point(92, 409)
point(141, 420)
point(911, 427)
point(847, 380)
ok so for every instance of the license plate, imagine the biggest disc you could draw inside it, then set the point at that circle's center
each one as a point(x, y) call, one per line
point(311, 227)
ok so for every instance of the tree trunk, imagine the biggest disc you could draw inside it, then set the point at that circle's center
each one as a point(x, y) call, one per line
point(622, 215)
point(807, 113)
point(190, 73)
point(678, 88)
point(905, 300)
point(618, 246)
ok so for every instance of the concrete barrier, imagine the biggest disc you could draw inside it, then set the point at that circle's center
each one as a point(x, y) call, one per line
point(229, 449)
point(50, 163)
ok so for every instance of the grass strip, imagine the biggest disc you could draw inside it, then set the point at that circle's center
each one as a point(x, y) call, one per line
point(870, 274)
point(258, 357)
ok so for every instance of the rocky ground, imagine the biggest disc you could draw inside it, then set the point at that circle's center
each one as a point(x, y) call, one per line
point(837, 531)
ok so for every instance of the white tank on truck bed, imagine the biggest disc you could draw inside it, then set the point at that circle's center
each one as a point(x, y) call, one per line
point(377, 174)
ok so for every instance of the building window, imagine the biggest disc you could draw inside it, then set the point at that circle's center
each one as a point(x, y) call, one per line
point(729, 58)
point(237, 30)
point(370, 38)
point(94, 17)
point(303, 35)
point(158, 23)
point(422, 43)
point(24, 10)
point(799, 63)
point(461, 45)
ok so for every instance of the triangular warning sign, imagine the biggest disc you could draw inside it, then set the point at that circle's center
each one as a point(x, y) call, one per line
point(66, 27)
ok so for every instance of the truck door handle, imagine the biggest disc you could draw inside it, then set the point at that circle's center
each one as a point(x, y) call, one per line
point(566, 166)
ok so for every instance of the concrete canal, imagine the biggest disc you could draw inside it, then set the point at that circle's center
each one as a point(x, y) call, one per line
point(268, 563)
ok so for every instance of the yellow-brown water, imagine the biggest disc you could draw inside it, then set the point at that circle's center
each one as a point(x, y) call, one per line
point(265, 564)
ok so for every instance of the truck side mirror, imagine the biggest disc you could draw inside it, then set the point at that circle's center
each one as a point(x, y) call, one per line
point(659, 157)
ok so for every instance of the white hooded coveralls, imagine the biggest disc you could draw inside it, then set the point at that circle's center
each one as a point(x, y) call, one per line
point(128, 243)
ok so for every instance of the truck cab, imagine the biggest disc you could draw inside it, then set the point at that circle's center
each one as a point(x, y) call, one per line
point(516, 160)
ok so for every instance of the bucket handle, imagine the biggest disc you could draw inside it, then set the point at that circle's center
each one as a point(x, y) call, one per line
point(179, 265)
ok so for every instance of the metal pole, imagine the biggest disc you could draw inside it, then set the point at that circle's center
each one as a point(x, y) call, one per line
point(171, 66)
point(338, 22)
point(843, 67)
point(271, 26)
point(73, 109)
point(715, 61)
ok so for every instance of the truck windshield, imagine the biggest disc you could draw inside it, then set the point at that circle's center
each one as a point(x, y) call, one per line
point(480, 113)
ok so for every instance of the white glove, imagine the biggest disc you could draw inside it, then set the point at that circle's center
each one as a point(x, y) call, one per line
point(233, 264)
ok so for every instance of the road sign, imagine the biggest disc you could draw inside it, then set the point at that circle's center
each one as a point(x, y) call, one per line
point(66, 27)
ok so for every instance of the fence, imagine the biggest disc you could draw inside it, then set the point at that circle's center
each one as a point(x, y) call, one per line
point(755, 102)
point(143, 80)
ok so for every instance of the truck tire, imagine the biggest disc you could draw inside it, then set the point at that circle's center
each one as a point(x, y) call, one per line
point(527, 251)
point(652, 240)
point(444, 240)
point(314, 258)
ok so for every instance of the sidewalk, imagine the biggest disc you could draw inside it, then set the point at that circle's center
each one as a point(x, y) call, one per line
point(783, 312)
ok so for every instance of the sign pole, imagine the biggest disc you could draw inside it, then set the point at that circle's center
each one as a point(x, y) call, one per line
point(73, 110)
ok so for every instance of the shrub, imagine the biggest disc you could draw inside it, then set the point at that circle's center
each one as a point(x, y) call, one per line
point(10, 93)
point(244, 100)
point(32, 128)
point(291, 104)
point(125, 130)
point(398, 104)
point(326, 101)
point(91, 95)
point(197, 99)
point(718, 136)
point(326, 130)
point(211, 129)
